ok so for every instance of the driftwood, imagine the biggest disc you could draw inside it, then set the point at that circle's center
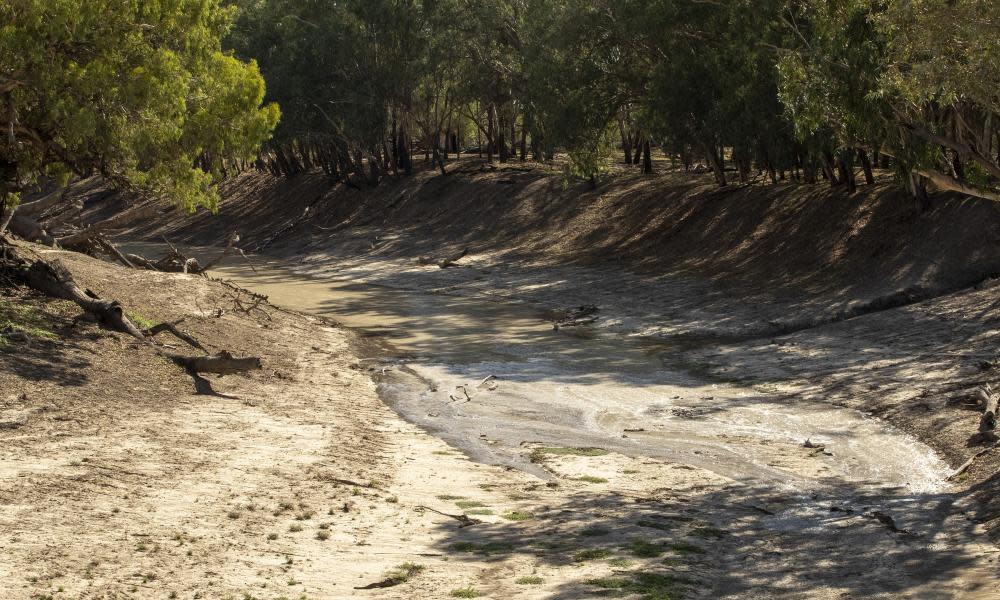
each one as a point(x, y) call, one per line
point(463, 520)
point(988, 400)
point(972, 459)
point(575, 317)
point(80, 238)
point(446, 262)
point(55, 280)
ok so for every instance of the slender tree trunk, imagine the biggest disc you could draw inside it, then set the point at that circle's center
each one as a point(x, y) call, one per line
point(866, 166)
point(647, 158)
point(490, 133)
point(711, 154)
point(524, 142)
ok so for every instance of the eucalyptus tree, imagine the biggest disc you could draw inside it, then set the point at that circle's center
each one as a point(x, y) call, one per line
point(139, 92)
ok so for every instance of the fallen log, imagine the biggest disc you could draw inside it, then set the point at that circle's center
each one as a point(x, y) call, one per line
point(113, 251)
point(988, 400)
point(972, 459)
point(446, 262)
point(134, 214)
point(55, 280)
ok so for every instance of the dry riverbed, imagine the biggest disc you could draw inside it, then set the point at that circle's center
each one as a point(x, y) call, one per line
point(117, 481)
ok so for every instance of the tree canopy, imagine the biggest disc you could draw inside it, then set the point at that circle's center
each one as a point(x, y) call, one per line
point(139, 91)
point(144, 93)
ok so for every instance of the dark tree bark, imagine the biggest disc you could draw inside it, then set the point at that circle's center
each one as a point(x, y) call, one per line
point(647, 158)
point(715, 161)
point(866, 166)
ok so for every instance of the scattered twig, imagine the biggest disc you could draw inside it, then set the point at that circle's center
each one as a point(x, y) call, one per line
point(965, 466)
point(463, 520)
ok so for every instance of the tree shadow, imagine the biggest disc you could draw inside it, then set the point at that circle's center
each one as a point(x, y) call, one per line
point(737, 542)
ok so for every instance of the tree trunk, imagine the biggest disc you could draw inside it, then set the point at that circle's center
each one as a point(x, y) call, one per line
point(866, 166)
point(711, 155)
point(647, 158)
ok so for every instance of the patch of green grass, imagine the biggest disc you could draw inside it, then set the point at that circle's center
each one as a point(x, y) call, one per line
point(516, 515)
point(322, 535)
point(591, 554)
point(621, 562)
point(649, 586)
point(661, 525)
point(529, 580)
point(140, 321)
point(595, 531)
point(630, 471)
point(684, 548)
point(466, 592)
point(646, 549)
point(403, 573)
point(469, 504)
point(487, 549)
point(441, 452)
point(479, 511)
point(539, 454)
point(447, 497)
point(25, 319)
point(295, 528)
point(590, 479)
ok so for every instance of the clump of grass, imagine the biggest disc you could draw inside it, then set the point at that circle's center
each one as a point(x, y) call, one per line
point(661, 525)
point(140, 320)
point(646, 549)
point(591, 554)
point(595, 531)
point(466, 592)
point(685, 548)
point(479, 511)
point(322, 535)
point(529, 580)
point(447, 497)
point(272, 536)
point(649, 586)
point(295, 528)
point(539, 454)
point(233, 514)
point(469, 504)
point(590, 479)
point(488, 549)
point(25, 319)
point(516, 515)
point(621, 562)
point(403, 573)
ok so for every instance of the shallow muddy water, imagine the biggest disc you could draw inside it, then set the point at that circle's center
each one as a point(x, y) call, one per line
point(496, 380)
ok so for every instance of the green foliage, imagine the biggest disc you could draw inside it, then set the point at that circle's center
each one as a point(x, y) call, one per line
point(140, 92)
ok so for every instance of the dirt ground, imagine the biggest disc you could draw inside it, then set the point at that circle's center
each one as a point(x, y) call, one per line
point(119, 482)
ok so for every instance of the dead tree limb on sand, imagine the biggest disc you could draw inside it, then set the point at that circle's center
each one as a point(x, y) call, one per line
point(463, 520)
point(448, 261)
point(972, 459)
point(53, 279)
point(988, 400)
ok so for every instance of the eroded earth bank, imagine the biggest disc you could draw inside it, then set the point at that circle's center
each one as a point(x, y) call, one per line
point(765, 395)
